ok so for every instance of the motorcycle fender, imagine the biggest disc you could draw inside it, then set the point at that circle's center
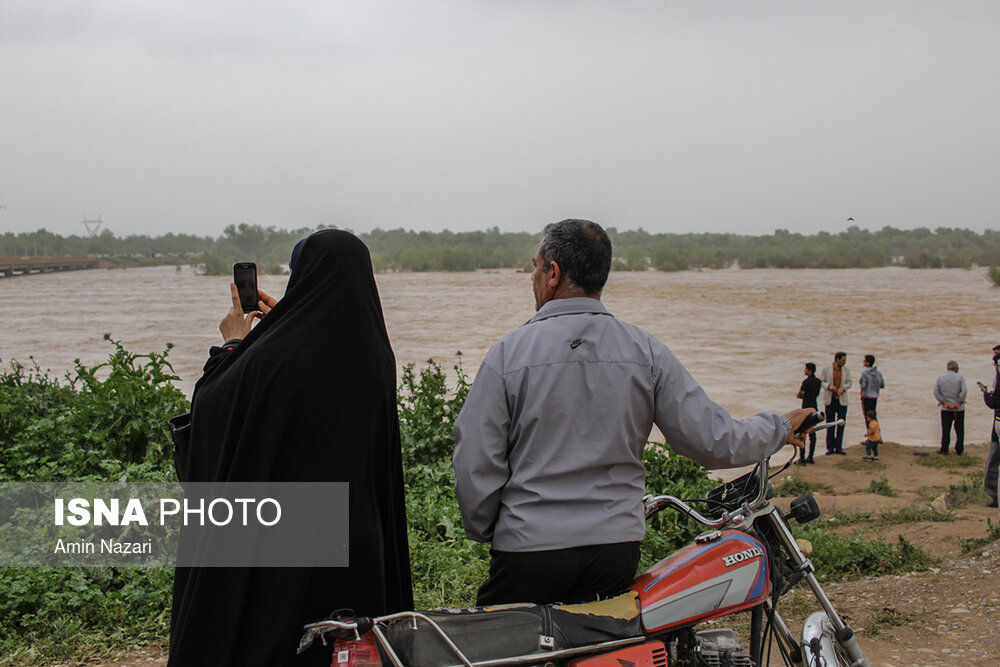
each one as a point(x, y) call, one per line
point(817, 641)
point(650, 654)
point(703, 581)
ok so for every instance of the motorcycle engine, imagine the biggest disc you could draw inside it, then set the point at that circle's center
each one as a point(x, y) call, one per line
point(717, 648)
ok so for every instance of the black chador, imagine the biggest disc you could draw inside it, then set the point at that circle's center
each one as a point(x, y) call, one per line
point(308, 396)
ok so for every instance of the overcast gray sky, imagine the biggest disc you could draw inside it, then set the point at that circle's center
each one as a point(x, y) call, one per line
point(188, 115)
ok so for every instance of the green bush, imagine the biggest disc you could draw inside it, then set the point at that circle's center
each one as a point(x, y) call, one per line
point(881, 487)
point(427, 414)
point(969, 490)
point(837, 557)
point(667, 473)
point(948, 462)
point(447, 568)
point(210, 264)
point(106, 422)
point(995, 275)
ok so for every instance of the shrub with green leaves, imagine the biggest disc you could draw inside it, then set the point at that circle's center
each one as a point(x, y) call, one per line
point(995, 275)
point(427, 414)
point(668, 473)
point(106, 422)
point(969, 491)
point(837, 557)
point(881, 487)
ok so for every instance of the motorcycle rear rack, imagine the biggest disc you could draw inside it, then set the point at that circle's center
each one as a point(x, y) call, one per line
point(320, 629)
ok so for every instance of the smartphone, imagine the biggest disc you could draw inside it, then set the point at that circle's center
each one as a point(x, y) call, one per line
point(245, 277)
point(981, 386)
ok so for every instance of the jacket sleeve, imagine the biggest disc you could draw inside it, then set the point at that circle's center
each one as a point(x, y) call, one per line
point(217, 353)
point(937, 392)
point(963, 391)
point(480, 458)
point(699, 428)
point(991, 399)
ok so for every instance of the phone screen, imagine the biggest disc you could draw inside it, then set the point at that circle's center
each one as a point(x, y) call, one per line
point(245, 277)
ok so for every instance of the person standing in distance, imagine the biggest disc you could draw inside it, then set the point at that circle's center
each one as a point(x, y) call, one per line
point(836, 380)
point(809, 392)
point(549, 443)
point(950, 392)
point(871, 382)
point(992, 400)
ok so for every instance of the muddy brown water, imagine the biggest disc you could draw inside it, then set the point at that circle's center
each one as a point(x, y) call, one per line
point(744, 334)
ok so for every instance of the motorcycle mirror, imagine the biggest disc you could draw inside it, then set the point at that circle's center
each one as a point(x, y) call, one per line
point(804, 509)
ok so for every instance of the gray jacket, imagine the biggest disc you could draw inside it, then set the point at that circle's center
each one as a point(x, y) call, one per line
point(950, 388)
point(548, 447)
point(871, 382)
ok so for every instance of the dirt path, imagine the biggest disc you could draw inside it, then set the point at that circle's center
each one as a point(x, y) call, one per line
point(947, 616)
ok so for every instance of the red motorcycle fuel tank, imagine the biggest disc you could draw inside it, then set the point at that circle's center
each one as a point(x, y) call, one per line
point(702, 581)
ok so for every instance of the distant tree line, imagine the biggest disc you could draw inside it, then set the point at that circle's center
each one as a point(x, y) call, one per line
point(638, 250)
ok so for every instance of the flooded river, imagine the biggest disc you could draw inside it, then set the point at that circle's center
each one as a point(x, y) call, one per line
point(743, 334)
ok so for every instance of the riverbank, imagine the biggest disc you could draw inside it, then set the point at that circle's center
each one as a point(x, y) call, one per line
point(945, 616)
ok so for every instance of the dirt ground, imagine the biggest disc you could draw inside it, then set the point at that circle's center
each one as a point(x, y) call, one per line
point(947, 616)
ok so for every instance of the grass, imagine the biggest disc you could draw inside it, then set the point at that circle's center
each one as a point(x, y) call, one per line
point(970, 544)
point(915, 514)
point(794, 486)
point(912, 514)
point(888, 617)
point(969, 491)
point(949, 462)
point(838, 557)
point(930, 493)
point(881, 487)
point(798, 604)
point(850, 518)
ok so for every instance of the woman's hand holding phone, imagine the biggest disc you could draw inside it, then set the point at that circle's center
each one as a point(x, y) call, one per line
point(265, 302)
point(236, 323)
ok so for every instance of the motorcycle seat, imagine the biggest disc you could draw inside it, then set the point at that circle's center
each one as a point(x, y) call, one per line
point(507, 631)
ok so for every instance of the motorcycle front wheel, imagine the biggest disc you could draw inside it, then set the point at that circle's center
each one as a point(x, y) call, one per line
point(821, 648)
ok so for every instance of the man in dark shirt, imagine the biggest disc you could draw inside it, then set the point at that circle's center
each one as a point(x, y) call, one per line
point(992, 399)
point(809, 392)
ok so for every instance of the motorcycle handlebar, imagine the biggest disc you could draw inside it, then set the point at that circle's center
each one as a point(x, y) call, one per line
point(654, 504)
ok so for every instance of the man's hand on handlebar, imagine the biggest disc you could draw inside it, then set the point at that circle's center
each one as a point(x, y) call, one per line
point(797, 417)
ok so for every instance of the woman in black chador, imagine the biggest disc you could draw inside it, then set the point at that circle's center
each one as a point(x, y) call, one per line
point(307, 396)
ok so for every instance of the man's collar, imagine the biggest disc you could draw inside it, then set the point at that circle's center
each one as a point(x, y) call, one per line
point(573, 306)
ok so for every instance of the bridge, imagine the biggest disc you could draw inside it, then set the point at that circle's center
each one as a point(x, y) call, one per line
point(24, 265)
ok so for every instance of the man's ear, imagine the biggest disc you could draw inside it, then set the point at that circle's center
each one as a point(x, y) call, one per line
point(557, 275)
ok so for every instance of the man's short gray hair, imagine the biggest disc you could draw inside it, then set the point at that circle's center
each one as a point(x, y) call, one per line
point(952, 365)
point(582, 250)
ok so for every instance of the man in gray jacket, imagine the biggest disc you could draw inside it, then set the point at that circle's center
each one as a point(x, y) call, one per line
point(950, 392)
point(548, 453)
point(871, 383)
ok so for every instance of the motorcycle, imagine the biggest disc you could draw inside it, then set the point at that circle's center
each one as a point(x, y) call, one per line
point(746, 561)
